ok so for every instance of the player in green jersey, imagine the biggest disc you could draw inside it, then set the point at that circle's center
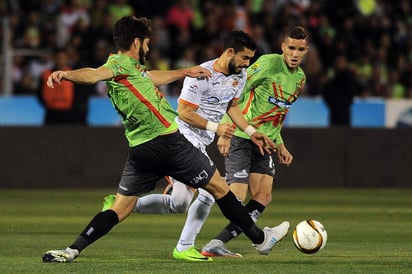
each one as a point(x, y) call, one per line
point(273, 85)
point(156, 148)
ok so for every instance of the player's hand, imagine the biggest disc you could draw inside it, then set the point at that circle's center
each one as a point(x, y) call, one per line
point(284, 155)
point(198, 71)
point(223, 145)
point(55, 77)
point(263, 142)
point(225, 130)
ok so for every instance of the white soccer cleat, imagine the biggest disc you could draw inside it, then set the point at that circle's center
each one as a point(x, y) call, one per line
point(60, 256)
point(273, 235)
point(216, 248)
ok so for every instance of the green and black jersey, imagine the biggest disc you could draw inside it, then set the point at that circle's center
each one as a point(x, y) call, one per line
point(271, 88)
point(145, 113)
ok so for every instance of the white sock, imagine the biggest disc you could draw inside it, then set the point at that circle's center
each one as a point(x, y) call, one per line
point(177, 202)
point(196, 217)
point(154, 204)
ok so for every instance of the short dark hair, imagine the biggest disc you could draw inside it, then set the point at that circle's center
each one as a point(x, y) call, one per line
point(127, 28)
point(239, 40)
point(297, 32)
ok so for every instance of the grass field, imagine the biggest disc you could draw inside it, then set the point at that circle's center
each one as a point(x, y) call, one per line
point(369, 231)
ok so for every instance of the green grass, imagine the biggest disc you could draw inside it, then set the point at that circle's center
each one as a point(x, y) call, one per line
point(369, 231)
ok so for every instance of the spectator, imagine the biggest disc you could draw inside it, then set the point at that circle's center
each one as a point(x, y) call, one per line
point(120, 8)
point(71, 13)
point(62, 105)
point(380, 29)
point(338, 93)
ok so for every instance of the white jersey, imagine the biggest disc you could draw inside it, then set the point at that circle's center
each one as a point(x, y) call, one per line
point(211, 97)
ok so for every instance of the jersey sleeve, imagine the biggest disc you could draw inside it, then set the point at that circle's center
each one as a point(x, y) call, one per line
point(192, 91)
point(114, 66)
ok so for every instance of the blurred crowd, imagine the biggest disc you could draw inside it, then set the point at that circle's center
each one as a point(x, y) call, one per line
point(375, 37)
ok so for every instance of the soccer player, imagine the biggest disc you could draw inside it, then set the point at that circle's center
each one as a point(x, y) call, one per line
point(156, 148)
point(273, 85)
point(202, 104)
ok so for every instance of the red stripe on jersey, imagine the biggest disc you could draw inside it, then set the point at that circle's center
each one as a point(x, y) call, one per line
point(249, 101)
point(298, 90)
point(274, 115)
point(275, 90)
point(281, 92)
point(139, 96)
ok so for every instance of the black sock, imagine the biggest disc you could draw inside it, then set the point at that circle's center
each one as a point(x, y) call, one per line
point(232, 231)
point(101, 224)
point(233, 210)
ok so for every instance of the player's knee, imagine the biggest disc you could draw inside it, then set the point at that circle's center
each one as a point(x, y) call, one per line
point(206, 198)
point(180, 206)
point(263, 198)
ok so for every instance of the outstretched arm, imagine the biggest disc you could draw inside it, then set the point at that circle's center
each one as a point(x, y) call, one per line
point(164, 77)
point(84, 76)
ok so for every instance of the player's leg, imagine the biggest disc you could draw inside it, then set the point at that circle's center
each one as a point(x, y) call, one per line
point(198, 212)
point(244, 164)
point(237, 165)
point(100, 225)
point(240, 189)
point(177, 202)
point(202, 173)
point(132, 183)
point(216, 247)
point(232, 209)
point(260, 187)
point(261, 194)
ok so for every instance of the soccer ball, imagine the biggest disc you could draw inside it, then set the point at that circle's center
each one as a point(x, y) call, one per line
point(309, 236)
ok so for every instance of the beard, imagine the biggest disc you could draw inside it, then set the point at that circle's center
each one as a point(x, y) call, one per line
point(233, 68)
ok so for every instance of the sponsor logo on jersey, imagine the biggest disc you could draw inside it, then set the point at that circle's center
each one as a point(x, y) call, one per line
point(193, 88)
point(279, 103)
point(241, 174)
point(212, 100)
point(235, 83)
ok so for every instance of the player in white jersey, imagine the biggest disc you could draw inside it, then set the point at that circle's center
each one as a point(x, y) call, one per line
point(210, 98)
point(201, 105)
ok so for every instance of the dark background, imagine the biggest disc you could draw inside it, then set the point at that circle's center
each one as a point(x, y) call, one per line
point(84, 157)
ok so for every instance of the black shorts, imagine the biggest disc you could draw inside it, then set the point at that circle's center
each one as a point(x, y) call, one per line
point(170, 154)
point(244, 158)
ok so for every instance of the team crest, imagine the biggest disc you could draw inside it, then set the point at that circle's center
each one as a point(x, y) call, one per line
point(193, 88)
point(255, 66)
